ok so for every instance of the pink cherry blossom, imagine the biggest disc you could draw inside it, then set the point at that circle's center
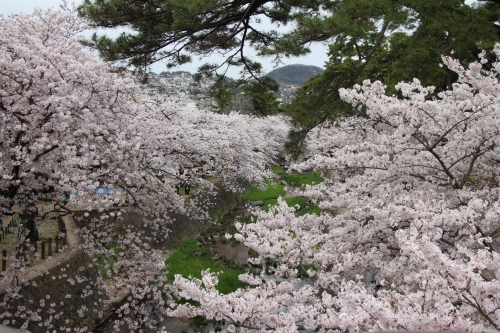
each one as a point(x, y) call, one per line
point(409, 234)
point(75, 123)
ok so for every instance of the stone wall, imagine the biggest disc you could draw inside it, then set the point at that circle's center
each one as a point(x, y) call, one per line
point(183, 226)
point(68, 296)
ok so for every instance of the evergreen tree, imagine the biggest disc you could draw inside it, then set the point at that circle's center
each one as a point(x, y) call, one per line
point(370, 39)
point(223, 97)
point(263, 99)
point(173, 30)
point(381, 41)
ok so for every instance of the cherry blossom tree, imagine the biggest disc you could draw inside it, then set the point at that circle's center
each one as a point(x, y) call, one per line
point(73, 123)
point(409, 234)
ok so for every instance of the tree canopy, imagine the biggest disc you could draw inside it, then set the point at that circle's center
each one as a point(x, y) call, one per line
point(409, 234)
point(175, 30)
point(392, 42)
point(408, 239)
point(78, 125)
point(380, 40)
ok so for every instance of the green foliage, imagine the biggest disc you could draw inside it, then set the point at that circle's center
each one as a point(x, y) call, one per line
point(175, 30)
point(445, 28)
point(252, 253)
point(318, 101)
point(222, 97)
point(264, 101)
point(368, 219)
point(391, 41)
point(189, 259)
point(388, 40)
point(272, 191)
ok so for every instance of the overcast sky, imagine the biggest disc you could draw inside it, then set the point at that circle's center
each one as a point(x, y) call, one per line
point(317, 57)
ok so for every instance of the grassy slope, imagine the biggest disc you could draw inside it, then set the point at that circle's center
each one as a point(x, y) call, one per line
point(298, 179)
point(291, 202)
point(190, 259)
point(273, 190)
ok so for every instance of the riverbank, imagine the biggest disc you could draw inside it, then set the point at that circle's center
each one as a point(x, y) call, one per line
point(212, 250)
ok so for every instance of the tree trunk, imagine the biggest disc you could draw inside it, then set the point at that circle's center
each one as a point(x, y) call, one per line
point(29, 220)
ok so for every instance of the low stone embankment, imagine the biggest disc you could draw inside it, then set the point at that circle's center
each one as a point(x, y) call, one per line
point(57, 299)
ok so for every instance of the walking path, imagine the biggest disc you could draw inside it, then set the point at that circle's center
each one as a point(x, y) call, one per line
point(42, 266)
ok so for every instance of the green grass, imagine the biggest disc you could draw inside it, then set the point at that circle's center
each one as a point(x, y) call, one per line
point(298, 179)
point(190, 259)
point(310, 210)
point(10, 236)
point(279, 170)
point(273, 190)
point(48, 228)
point(291, 202)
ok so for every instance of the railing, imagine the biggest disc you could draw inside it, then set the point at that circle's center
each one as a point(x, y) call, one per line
point(46, 247)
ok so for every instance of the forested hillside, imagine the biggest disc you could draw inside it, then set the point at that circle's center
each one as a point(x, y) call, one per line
point(295, 74)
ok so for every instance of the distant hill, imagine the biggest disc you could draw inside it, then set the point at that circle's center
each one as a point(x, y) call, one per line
point(295, 74)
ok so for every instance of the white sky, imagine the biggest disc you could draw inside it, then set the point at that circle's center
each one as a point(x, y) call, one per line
point(317, 57)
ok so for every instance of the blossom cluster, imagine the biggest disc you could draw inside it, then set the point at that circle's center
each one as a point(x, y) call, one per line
point(72, 125)
point(408, 238)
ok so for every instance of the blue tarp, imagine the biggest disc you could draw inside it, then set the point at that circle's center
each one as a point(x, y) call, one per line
point(102, 190)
